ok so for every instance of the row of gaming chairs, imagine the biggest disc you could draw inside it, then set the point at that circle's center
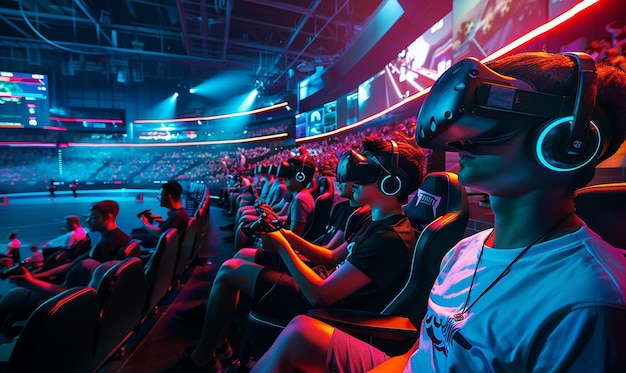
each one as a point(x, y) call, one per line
point(440, 211)
point(81, 328)
point(77, 330)
point(171, 258)
point(602, 207)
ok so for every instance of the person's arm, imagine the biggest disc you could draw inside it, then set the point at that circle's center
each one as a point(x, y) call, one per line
point(319, 292)
point(336, 241)
point(58, 270)
point(396, 363)
point(315, 253)
point(297, 227)
point(45, 288)
point(152, 229)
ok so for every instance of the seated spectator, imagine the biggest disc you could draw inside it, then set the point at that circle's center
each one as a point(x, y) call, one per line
point(347, 219)
point(35, 260)
point(246, 201)
point(12, 253)
point(298, 173)
point(32, 289)
point(73, 233)
point(177, 217)
point(370, 269)
point(540, 291)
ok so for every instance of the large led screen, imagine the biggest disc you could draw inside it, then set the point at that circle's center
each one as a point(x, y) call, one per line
point(481, 27)
point(23, 100)
point(418, 66)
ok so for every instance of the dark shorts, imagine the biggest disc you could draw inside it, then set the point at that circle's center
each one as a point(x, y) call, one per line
point(277, 294)
point(270, 260)
point(347, 354)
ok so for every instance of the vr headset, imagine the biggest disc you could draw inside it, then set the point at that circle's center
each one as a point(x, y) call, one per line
point(289, 169)
point(472, 103)
point(363, 169)
point(358, 169)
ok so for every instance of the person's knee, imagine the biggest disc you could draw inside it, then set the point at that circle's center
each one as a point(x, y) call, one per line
point(299, 325)
point(248, 254)
point(229, 270)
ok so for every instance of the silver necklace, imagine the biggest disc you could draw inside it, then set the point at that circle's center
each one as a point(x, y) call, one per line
point(459, 316)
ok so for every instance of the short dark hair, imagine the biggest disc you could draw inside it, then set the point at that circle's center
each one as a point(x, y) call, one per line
point(172, 188)
point(410, 161)
point(106, 207)
point(12, 235)
point(72, 219)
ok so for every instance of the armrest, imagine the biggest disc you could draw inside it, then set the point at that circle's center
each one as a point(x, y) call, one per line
point(367, 323)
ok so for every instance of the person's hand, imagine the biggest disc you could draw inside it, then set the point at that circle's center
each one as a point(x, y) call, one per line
point(23, 279)
point(274, 241)
point(144, 219)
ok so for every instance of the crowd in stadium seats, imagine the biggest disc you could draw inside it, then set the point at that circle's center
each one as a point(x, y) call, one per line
point(37, 165)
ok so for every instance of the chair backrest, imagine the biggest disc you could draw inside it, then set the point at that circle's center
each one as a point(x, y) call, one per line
point(446, 203)
point(131, 249)
point(202, 234)
point(321, 209)
point(603, 208)
point(59, 334)
point(186, 250)
point(160, 267)
point(79, 248)
point(437, 195)
point(122, 290)
point(56, 259)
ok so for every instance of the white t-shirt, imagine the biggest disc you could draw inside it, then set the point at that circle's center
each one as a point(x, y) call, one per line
point(69, 239)
point(561, 308)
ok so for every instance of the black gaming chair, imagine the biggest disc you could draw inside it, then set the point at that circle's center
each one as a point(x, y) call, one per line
point(59, 334)
point(186, 249)
point(160, 268)
point(321, 209)
point(122, 290)
point(603, 208)
point(79, 248)
point(445, 201)
point(131, 249)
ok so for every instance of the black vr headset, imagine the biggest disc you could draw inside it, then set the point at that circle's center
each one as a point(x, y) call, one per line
point(262, 169)
point(472, 103)
point(366, 169)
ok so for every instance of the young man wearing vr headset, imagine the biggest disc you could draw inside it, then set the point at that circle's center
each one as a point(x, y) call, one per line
point(539, 291)
point(371, 268)
point(298, 172)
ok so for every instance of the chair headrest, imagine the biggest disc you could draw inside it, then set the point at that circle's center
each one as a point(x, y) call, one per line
point(603, 208)
point(439, 193)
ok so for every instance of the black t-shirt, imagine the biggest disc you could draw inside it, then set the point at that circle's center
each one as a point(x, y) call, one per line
point(382, 251)
point(178, 219)
point(338, 218)
point(109, 245)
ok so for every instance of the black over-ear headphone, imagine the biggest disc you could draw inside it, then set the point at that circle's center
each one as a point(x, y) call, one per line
point(571, 142)
point(300, 175)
